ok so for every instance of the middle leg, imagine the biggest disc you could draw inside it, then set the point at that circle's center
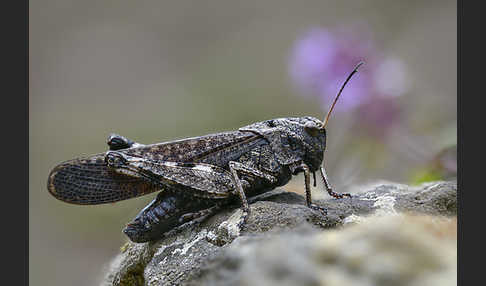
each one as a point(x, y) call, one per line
point(239, 168)
point(308, 195)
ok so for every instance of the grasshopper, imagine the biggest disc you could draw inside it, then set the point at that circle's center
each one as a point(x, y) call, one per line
point(197, 176)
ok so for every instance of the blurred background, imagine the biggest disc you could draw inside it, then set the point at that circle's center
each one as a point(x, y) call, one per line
point(155, 71)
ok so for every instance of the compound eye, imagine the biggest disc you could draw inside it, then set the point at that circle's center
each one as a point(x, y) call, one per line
point(311, 129)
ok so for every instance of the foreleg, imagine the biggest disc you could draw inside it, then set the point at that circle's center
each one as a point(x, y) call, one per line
point(328, 187)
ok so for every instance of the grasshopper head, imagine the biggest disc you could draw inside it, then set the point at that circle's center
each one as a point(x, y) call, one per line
point(312, 140)
point(297, 138)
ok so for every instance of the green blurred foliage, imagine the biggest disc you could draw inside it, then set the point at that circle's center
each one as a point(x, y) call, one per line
point(425, 175)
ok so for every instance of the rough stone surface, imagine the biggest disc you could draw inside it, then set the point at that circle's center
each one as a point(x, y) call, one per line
point(390, 250)
point(364, 240)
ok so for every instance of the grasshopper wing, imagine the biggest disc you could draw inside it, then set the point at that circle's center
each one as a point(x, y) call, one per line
point(89, 181)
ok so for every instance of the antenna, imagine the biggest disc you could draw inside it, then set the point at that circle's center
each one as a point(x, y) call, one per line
point(339, 93)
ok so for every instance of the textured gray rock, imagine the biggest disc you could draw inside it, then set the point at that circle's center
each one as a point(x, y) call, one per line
point(388, 250)
point(280, 242)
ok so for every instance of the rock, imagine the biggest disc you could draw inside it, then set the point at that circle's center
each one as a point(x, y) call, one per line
point(280, 242)
point(392, 250)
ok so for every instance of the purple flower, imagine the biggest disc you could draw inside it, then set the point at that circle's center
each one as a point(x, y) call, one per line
point(321, 60)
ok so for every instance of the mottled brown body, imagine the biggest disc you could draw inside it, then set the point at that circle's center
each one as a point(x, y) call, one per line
point(90, 181)
point(195, 174)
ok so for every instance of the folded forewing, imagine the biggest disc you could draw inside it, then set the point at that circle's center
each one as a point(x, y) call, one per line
point(88, 181)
